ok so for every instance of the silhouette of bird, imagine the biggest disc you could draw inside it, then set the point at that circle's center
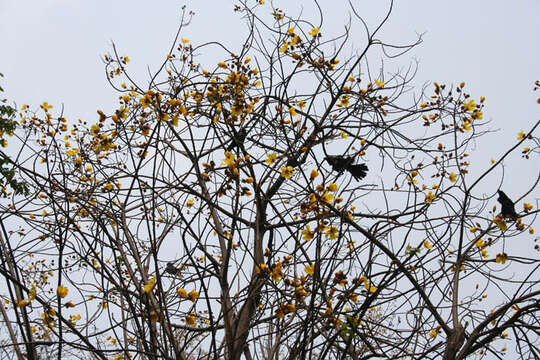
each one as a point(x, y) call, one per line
point(237, 139)
point(171, 269)
point(341, 163)
point(358, 171)
point(507, 206)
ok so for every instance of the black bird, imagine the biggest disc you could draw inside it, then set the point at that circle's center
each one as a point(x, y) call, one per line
point(507, 206)
point(341, 163)
point(237, 139)
point(358, 171)
point(171, 269)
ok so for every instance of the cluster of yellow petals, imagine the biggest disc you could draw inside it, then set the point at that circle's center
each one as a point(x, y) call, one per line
point(501, 224)
point(149, 286)
point(309, 269)
point(287, 171)
point(430, 197)
point(192, 295)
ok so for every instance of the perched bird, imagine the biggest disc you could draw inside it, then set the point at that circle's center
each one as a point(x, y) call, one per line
point(341, 163)
point(507, 206)
point(237, 139)
point(171, 269)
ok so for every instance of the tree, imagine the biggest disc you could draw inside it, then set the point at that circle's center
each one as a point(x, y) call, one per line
point(200, 219)
point(7, 172)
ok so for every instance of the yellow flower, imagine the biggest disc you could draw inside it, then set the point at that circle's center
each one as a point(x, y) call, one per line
point(501, 224)
point(190, 320)
point(290, 31)
point(307, 234)
point(477, 115)
point(332, 232)
point(277, 274)
point(94, 130)
point(193, 295)
point(433, 333)
point(300, 291)
point(326, 197)
point(427, 245)
point(32, 293)
point(344, 101)
point(332, 187)
point(271, 158)
point(261, 268)
point(473, 229)
point(315, 31)
point(150, 285)
point(182, 293)
point(521, 135)
point(379, 83)
point(453, 177)
point(501, 258)
point(222, 65)
point(292, 111)
point(23, 303)
point(295, 40)
point(314, 174)
point(46, 106)
point(284, 47)
point(309, 269)
point(288, 308)
point(236, 110)
point(62, 291)
point(230, 160)
point(411, 180)
point(430, 197)
point(287, 171)
point(423, 105)
point(469, 105)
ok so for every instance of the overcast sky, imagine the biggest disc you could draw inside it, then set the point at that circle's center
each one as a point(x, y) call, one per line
point(51, 51)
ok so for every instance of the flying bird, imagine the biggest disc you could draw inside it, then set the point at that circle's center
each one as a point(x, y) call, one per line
point(341, 163)
point(507, 206)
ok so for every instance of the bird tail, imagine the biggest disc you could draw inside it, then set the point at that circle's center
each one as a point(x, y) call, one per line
point(358, 171)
